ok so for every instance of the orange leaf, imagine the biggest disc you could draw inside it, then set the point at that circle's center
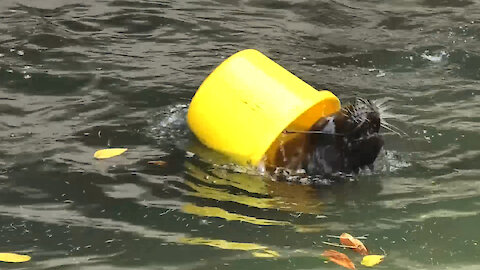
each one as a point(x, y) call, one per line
point(158, 162)
point(338, 258)
point(355, 244)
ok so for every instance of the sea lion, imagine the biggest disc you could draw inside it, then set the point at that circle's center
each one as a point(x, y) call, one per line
point(346, 141)
point(338, 144)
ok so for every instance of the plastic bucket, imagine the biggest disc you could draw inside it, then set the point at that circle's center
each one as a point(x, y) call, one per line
point(248, 101)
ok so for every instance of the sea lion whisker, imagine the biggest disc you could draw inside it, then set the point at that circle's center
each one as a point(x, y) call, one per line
point(369, 103)
point(363, 100)
point(392, 130)
point(386, 124)
point(366, 102)
point(347, 110)
point(391, 133)
point(312, 132)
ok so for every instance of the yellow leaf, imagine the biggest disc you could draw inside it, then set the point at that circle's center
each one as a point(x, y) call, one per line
point(372, 260)
point(14, 258)
point(108, 153)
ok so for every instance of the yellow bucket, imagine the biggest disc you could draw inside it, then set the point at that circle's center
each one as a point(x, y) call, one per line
point(248, 101)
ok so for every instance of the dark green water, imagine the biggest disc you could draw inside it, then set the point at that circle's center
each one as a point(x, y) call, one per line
point(78, 76)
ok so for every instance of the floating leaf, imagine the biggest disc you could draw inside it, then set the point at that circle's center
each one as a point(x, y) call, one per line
point(14, 258)
point(108, 153)
point(372, 260)
point(338, 258)
point(158, 162)
point(355, 244)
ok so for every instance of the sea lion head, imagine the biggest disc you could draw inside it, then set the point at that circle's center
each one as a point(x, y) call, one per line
point(346, 141)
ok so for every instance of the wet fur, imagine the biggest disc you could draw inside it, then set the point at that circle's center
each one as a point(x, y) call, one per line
point(345, 141)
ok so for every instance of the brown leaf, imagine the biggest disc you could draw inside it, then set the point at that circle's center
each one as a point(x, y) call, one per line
point(338, 258)
point(158, 162)
point(355, 244)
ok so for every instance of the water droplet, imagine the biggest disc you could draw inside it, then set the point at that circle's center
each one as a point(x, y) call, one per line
point(21, 53)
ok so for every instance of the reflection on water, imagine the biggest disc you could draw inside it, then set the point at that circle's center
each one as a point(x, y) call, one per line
point(220, 213)
point(224, 185)
point(259, 251)
point(252, 190)
point(76, 77)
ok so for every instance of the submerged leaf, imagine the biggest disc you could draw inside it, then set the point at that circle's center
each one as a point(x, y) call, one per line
point(14, 258)
point(355, 244)
point(108, 153)
point(158, 162)
point(338, 258)
point(372, 260)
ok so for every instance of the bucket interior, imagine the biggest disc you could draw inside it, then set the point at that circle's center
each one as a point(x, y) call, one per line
point(288, 150)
